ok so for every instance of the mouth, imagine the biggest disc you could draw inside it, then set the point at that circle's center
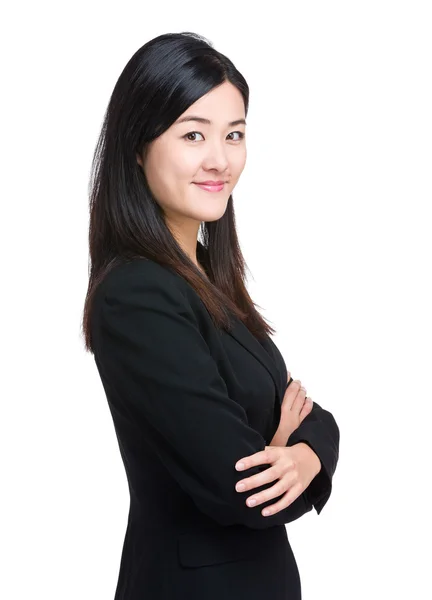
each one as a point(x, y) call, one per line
point(214, 187)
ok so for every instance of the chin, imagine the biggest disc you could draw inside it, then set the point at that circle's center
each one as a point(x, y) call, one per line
point(209, 215)
point(215, 212)
point(210, 210)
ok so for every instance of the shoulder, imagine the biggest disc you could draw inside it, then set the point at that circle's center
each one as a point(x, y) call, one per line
point(145, 281)
point(140, 271)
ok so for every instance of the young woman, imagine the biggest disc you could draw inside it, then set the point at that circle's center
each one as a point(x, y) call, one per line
point(194, 383)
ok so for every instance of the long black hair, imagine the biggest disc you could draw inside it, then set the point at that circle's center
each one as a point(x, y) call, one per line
point(160, 81)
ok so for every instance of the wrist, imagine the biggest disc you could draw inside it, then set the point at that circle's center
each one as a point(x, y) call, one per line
point(286, 425)
point(306, 452)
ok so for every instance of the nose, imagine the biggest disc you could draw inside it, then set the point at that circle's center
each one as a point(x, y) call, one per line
point(216, 157)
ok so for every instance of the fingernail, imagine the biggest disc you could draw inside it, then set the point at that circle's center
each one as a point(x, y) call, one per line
point(240, 466)
point(251, 502)
point(240, 487)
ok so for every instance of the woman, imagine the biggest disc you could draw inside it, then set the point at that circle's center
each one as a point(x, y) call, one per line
point(195, 385)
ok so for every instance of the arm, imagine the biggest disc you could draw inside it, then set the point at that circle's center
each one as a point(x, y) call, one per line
point(152, 352)
point(320, 432)
point(285, 428)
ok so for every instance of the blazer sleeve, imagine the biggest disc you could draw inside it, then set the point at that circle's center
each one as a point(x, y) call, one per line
point(160, 367)
point(320, 431)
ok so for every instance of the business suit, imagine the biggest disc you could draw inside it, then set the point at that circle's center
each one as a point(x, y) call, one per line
point(188, 401)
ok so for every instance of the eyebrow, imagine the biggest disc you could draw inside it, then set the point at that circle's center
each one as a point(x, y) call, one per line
point(207, 121)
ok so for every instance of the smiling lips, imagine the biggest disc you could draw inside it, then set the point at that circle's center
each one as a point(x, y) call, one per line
point(211, 186)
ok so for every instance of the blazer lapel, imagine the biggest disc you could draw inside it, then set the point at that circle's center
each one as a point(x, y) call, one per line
point(242, 334)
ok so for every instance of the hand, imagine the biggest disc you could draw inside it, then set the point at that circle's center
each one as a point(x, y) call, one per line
point(294, 409)
point(294, 467)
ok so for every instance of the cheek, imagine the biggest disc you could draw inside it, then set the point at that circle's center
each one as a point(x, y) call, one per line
point(179, 166)
point(167, 171)
point(187, 165)
point(238, 163)
point(184, 170)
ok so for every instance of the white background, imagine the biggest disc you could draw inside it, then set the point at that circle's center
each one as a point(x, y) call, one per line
point(333, 214)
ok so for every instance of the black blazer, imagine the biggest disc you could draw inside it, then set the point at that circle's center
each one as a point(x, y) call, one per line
point(188, 401)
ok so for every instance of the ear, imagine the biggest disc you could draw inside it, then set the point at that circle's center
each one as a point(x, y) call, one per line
point(139, 160)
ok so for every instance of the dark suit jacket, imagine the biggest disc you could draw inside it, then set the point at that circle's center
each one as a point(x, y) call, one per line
point(188, 401)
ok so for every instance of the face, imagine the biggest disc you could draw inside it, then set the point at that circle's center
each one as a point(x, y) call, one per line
point(194, 151)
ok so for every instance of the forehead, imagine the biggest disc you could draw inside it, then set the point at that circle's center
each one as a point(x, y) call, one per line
point(222, 106)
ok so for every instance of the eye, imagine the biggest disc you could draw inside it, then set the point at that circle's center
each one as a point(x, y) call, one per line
point(186, 137)
point(241, 135)
point(191, 133)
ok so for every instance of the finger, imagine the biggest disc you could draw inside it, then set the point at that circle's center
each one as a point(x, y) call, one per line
point(274, 492)
point(266, 456)
point(299, 400)
point(291, 393)
point(293, 493)
point(267, 476)
point(275, 472)
point(307, 407)
point(282, 485)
